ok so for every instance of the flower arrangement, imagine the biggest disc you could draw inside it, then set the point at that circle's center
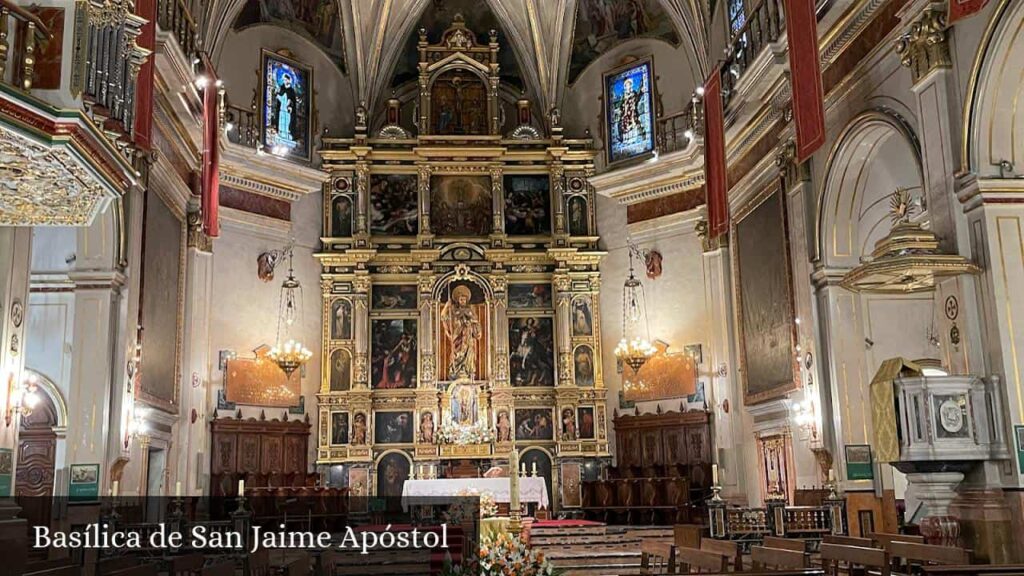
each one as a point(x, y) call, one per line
point(506, 554)
point(488, 505)
point(451, 433)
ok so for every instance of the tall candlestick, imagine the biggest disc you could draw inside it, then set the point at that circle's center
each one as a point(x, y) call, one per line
point(433, 471)
point(534, 469)
point(522, 468)
point(714, 474)
point(177, 489)
point(831, 475)
point(241, 487)
point(513, 504)
point(113, 489)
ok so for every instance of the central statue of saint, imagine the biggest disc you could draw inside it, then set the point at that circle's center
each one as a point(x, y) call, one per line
point(462, 328)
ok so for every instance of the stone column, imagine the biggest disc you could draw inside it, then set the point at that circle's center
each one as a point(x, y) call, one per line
point(558, 200)
point(499, 332)
point(362, 231)
point(423, 173)
point(428, 359)
point(192, 437)
point(498, 206)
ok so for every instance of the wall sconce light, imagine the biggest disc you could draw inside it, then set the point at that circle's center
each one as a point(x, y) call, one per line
point(22, 397)
point(806, 418)
point(138, 428)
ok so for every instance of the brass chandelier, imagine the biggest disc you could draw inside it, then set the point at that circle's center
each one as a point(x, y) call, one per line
point(907, 260)
point(635, 348)
point(290, 354)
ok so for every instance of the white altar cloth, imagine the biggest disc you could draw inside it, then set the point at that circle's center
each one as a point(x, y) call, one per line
point(531, 489)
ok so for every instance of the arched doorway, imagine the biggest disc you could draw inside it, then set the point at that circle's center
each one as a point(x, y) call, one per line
point(37, 457)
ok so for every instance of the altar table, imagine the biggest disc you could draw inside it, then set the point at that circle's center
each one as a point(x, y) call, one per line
point(531, 489)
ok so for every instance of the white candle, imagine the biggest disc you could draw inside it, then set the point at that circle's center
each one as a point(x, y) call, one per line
point(522, 469)
point(433, 471)
point(513, 504)
point(113, 489)
point(177, 489)
point(534, 469)
point(831, 474)
point(241, 487)
point(714, 474)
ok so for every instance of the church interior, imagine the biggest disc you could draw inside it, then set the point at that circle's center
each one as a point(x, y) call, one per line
point(658, 286)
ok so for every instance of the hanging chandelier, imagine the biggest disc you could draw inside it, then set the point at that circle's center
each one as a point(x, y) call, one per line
point(635, 348)
point(289, 353)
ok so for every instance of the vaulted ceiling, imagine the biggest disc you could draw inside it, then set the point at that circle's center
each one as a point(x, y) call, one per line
point(551, 40)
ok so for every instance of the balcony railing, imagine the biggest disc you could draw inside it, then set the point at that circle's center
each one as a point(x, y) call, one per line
point(113, 61)
point(173, 16)
point(18, 66)
point(676, 131)
point(242, 126)
point(765, 23)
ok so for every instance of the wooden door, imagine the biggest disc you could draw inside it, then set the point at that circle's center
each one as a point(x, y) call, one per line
point(37, 450)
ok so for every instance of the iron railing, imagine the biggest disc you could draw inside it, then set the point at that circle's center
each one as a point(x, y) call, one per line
point(765, 23)
point(173, 16)
point(28, 31)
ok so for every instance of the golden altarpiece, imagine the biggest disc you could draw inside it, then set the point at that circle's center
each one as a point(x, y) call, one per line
point(460, 288)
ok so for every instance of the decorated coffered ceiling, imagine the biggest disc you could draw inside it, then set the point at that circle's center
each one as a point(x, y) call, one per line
point(368, 38)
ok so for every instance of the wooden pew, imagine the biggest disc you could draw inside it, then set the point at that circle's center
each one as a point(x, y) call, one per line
point(793, 544)
point(66, 570)
point(692, 560)
point(972, 570)
point(657, 558)
point(139, 570)
point(925, 554)
point(874, 559)
point(849, 541)
point(299, 566)
point(108, 566)
point(883, 539)
point(762, 558)
point(728, 549)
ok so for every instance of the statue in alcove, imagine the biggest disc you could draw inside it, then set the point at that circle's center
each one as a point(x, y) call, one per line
point(462, 328)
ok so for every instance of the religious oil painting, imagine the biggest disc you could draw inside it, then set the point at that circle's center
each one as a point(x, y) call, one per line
point(603, 24)
point(458, 104)
point(341, 319)
point(529, 296)
point(570, 430)
point(578, 216)
point(393, 297)
point(583, 365)
point(460, 205)
point(342, 216)
point(465, 401)
point(392, 472)
point(318, 21)
point(527, 204)
point(532, 345)
point(392, 427)
point(463, 343)
point(286, 107)
point(393, 354)
point(534, 424)
point(767, 331)
point(394, 204)
point(341, 371)
point(629, 111)
point(339, 428)
point(582, 317)
point(585, 421)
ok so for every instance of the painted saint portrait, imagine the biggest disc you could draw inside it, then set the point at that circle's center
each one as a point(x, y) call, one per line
point(569, 429)
point(529, 296)
point(392, 472)
point(394, 204)
point(458, 104)
point(341, 319)
point(578, 217)
point(465, 403)
point(316, 20)
point(392, 428)
point(463, 313)
point(585, 421)
point(629, 112)
point(393, 297)
point(527, 205)
point(341, 216)
point(532, 347)
point(286, 107)
point(359, 429)
point(339, 428)
point(503, 427)
point(583, 366)
point(427, 427)
point(341, 371)
point(460, 205)
point(393, 354)
point(582, 318)
point(534, 424)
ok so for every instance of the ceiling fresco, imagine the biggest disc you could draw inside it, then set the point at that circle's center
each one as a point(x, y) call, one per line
point(603, 24)
point(316, 20)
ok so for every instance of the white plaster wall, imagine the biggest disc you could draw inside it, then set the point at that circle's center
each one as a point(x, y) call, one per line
point(239, 67)
point(676, 76)
point(676, 307)
point(244, 309)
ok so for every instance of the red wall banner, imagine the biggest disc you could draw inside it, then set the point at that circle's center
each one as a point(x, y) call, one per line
point(959, 9)
point(805, 72)
point(144, 86)
point(714, 157)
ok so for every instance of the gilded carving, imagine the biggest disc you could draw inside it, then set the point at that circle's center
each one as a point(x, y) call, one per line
point(925, 45)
